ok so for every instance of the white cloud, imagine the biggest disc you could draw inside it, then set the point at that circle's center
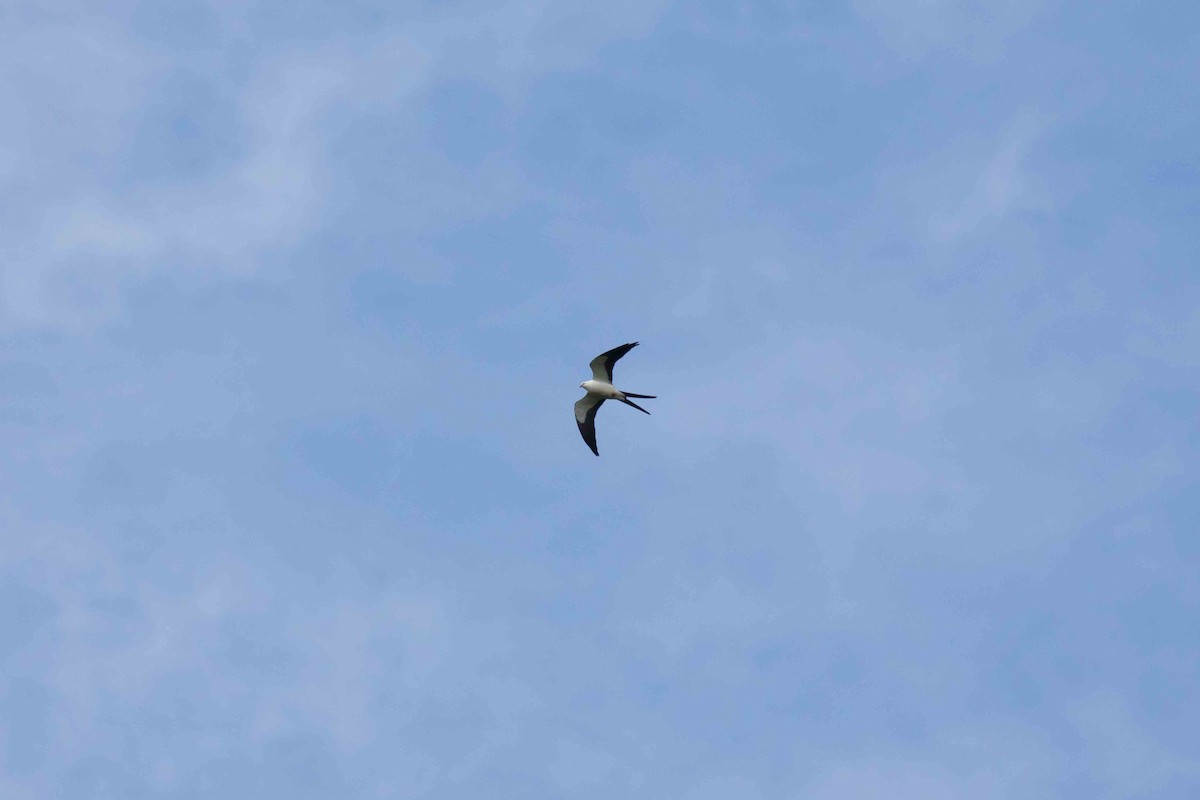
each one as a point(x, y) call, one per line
point(89, 237)
point(898, 780)
point(508, 44)
point(970, 29)
point(121, 644)
point(1170, 336)
point(979, 193)
point(962, 190)
point(1123, 753)
point(86, 234)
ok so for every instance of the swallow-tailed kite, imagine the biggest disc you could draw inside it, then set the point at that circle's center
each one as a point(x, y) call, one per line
point(599, 389)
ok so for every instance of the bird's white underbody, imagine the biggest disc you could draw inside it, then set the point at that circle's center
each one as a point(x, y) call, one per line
point(602, 388)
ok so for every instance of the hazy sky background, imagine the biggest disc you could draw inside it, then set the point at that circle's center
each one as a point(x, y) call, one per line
point(296, 297)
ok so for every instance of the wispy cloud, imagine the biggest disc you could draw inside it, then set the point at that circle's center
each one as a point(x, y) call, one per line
point(969, 30)
point(962, 191)
point(84, 234)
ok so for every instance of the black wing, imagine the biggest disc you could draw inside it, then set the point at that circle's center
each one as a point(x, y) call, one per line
point(602, 365)
point(585, 417)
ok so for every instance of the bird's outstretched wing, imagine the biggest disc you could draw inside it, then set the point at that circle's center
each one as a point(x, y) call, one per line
point(585, 417)
point(602, 365)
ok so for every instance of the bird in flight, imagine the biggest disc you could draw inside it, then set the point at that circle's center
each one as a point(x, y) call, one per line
point(599, 389)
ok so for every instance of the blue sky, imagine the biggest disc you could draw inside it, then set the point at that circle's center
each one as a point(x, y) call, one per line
point(296, 297)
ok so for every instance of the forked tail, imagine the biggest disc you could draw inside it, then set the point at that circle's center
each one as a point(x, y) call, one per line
point(635, 405)
point(642, 396)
